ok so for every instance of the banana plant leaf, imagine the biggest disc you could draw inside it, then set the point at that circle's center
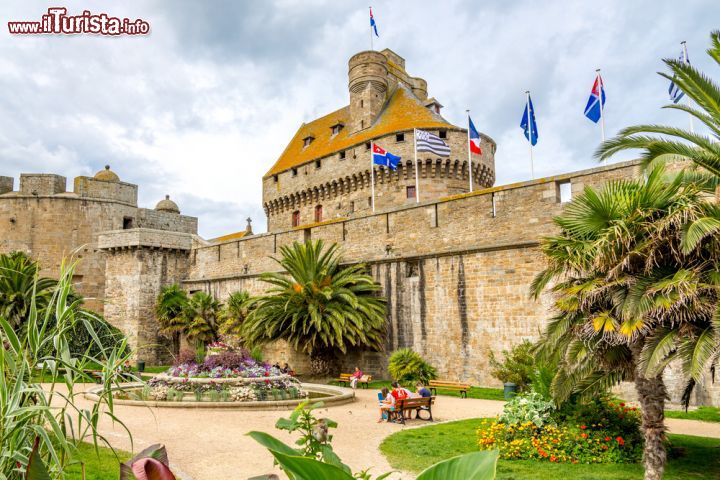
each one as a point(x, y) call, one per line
point(471, 466)
point(304, 468)
point(150, 464)
point(36, 469)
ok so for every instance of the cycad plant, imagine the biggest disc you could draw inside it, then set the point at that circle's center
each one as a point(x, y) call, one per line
point(318, 306)
point(633, 292)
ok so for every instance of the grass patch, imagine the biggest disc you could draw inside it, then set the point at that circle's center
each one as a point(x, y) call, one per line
point(97, 467)
point(704, 414)
point(415, 449)
point(481, 393)
point(154, 369)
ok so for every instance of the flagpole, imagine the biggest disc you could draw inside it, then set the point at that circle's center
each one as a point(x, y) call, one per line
point(529, 120)
point(598, 79)
point(371, 31)
point(417, 180)
point(602, 113)
point(469, 152)
point(687, 99)
point(372, 174)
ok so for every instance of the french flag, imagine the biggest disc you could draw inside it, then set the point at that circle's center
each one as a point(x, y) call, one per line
point(474, 138)
point(593, 107)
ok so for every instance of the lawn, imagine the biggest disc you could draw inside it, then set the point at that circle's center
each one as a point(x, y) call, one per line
point(704, 414)
point(101, 467)
point(417, 448)
point(482, 393)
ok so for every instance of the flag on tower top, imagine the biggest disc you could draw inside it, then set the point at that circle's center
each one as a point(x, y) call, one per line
point(593, 107)
point(474, 138)
point(528, 123)
point(373, 25)
point(674, 91)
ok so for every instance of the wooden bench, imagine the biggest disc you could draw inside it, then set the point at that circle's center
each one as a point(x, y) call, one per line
point(419, 404)
point(345, 378)
point(444, 384)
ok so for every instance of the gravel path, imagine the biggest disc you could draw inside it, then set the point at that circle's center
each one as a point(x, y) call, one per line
point(211, 444)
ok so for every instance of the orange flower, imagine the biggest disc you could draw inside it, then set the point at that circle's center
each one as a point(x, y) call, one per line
point(584, 435)
point(607, 439)
point(582, 427)
point(620, 441)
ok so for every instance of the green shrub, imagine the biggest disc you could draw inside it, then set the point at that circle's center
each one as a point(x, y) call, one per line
point(408, 367)
point(528, 407)
point(256, 354)
point(518, 366)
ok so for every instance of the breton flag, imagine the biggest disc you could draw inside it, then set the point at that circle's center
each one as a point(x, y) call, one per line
point(675, 93)
point(427, 142)
point(385, 158)
point(373, 25)
point(528, 123)
point(593, 107)
point(474, 138)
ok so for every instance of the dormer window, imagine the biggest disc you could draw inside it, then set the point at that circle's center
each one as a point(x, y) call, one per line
point(433, 105)
point(307, 141)
point(336, 128)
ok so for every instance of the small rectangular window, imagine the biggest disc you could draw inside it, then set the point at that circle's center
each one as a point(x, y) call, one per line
point(400, 137)
point(318, 163)
point(564, 191)
point(294, 172)
point(367, 146)
point(352, 207)
point(369, 201)
point(307, 141)
point(410, 191)
point(318, 213)
point(443, 134)
point(342, 155)
point(412, 269)
point(275, 178)
point(127, 223)
point(296, 218)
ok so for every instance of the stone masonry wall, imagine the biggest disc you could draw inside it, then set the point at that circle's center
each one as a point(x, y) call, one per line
point(343, 186)
point(456, 272)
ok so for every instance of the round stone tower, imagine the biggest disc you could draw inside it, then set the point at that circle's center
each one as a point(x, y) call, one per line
point(368, 85)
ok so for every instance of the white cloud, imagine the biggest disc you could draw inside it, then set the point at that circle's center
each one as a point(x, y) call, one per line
point(201, 108)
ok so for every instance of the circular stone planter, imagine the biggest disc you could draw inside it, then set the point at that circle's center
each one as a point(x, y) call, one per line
point(335, 396)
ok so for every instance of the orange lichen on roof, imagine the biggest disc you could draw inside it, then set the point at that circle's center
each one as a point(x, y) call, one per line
point(402, 112)
point(229, 236)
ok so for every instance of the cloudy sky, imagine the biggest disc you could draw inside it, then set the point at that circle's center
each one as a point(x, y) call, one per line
point(202, 107)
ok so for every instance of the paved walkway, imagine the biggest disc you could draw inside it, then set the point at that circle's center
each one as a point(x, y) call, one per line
point(211, 444)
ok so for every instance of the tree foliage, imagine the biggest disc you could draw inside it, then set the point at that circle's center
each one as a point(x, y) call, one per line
point(408, 367)
point(318, 305)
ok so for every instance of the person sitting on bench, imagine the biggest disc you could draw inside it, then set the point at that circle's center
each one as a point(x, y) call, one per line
point(355, 378)
point(423, 391)
point(387, 404)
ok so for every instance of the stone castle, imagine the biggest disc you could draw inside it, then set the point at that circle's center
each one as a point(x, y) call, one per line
point(455, 266)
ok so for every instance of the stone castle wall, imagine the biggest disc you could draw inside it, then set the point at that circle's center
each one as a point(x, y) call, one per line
point(49, 223)
point(343, 185)
point(456, 272)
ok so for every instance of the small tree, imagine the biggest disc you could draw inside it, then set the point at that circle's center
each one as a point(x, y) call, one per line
point(201, 318)
point(234, 313)
point(171, 304)
point(318, 306)
point(518, 366)
point(408, 367)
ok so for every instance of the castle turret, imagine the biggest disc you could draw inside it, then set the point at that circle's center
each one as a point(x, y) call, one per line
point(368, 85)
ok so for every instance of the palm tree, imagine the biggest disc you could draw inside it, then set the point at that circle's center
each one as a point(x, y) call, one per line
point(675, 143)
point(318, 306)
point(234, 313)
point(631, 296)
point(18, 287)
point(201, 318)
point(171, 304)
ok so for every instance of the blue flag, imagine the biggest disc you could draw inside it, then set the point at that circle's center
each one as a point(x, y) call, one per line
point(592, 109)
point(674, 91)
point(530, 127)
point(372, 23)
point(384, 158)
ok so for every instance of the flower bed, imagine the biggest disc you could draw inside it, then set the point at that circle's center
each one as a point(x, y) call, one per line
point(601, 431)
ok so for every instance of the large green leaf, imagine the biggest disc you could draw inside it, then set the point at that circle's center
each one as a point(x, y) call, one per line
point(36, 469)
point(471, 466)
point(272, 443)
point(304, 468)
